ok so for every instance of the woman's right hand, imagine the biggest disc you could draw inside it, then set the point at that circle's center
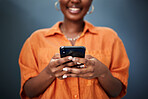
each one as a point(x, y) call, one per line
point(56, 66)
point(37, 85)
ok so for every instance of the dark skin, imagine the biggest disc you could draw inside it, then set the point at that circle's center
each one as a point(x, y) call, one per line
point(72, 25)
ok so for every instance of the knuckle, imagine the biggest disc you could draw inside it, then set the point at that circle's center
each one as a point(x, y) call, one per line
point(92, 69)
point(53, 71)
point(91, 74)
point(93, 62)
point(77, 59)
point(75, 63)
point(50, 63)
point(82, 60)
point(86, 61)
point(58, 61)
point(69, 70)
point(65, 59)
point(72, 64)
point(53, 62)
point(60, 68)
point(56, 75)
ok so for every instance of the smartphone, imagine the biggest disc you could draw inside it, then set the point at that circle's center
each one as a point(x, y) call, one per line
point(74, 51)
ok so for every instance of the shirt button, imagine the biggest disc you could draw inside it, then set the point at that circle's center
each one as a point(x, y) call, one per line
point(75, 96)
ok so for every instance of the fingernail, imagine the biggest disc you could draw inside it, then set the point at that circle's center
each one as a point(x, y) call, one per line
point(65, 69)
point(78, 63)
point(81, 66)
point(64, 76)
point(73, 59)
point(70, 57)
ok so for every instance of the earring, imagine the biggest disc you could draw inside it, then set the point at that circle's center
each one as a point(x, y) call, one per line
point(56, 3)
point(92, 9)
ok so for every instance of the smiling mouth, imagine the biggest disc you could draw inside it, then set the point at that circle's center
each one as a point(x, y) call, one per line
point(74, 10)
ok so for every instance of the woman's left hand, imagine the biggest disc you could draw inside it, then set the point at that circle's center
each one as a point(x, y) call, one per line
point(93, 68)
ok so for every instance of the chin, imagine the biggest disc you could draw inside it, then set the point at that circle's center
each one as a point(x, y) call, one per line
point(77, 17)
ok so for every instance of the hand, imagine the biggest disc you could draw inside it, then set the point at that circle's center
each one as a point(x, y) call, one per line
point(93, 68)
point(57, 64)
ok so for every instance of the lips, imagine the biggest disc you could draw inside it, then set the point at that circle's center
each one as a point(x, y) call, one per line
point(74, 10)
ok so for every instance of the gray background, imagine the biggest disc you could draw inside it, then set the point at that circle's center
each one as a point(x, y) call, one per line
point(19, 18)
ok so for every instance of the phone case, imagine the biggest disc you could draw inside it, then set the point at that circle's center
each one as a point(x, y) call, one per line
point(74, 51)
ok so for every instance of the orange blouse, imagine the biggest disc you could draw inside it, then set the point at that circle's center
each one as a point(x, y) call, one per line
point(100, 42)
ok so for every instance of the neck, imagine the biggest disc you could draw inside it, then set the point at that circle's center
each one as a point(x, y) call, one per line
point(72, 27)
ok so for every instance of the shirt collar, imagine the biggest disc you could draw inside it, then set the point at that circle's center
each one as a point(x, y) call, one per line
point(89, 27)
point(56, 29)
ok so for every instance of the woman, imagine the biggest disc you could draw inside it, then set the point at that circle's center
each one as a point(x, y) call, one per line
point(45, 75)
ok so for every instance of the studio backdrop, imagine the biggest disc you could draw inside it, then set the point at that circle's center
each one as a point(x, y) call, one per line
point(19, 18)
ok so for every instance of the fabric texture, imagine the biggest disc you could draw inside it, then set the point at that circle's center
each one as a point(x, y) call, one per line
point(101, 42)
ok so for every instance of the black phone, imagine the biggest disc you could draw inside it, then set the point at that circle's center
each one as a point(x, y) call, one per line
point(74, 51)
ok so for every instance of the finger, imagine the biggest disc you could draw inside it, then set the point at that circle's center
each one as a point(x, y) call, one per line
point(80, 70)
point(63, 67)
point(78, 60)
point(60, 75)
point(69, 64)
point(72, 75)
point(57, 69)
point(60, 61)
point(86, 75)
point(92, 61)
point(52, 60)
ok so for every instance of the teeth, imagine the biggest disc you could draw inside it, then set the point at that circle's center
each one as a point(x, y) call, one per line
point(74, 9)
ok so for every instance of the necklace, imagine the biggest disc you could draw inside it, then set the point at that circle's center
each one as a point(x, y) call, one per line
point(72, 39)
point(69, 38)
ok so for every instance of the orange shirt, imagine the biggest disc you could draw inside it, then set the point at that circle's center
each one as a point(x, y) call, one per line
point(100, 42)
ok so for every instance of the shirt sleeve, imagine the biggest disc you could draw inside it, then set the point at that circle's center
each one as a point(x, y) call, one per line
point(120, 65)
point(28, 65)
